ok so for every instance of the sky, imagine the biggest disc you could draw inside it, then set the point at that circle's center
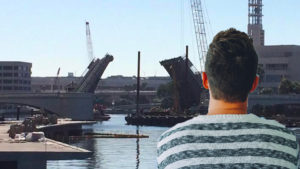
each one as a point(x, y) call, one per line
point(51, 34)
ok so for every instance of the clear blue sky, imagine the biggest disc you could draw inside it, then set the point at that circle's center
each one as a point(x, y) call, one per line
point(51, 34)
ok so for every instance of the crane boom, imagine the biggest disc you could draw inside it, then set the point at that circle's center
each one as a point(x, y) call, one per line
point(199, 26)
point(89, 42)
point(56, 81)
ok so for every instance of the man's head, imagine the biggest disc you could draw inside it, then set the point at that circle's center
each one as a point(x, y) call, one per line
point(230, 66)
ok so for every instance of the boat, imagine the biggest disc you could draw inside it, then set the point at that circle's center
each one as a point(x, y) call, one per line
point(99, 114)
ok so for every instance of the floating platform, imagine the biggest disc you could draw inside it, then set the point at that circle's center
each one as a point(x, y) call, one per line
point(108, 135)
point(163, 121)
point(63, 129)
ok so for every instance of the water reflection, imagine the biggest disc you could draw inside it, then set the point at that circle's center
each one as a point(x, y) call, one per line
point(112, 153)
point(117, 153)
point(137, 148)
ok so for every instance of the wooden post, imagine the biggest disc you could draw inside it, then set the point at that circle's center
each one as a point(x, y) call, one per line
point(138, 85)
point(186, 61)
point(18, 112)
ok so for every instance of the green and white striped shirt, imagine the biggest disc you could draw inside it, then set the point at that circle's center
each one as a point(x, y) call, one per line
point(228, 141)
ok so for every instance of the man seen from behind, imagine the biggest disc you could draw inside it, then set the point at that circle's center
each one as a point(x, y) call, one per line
point(228, 137)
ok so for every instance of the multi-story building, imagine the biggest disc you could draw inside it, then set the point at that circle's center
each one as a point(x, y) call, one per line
point(15, 76)
point(277, 61)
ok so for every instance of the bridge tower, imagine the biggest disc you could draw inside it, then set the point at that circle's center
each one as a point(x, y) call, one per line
point(255, 28)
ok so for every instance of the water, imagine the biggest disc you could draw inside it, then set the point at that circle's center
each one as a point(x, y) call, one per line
point(113, 153)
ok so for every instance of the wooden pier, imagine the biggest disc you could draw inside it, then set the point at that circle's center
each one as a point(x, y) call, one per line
point(34, 155)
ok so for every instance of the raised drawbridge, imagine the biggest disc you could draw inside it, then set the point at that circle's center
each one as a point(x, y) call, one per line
point(187, 82)
point(90, 80)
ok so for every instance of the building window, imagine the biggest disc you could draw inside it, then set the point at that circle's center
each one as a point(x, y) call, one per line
point(7, 88)
point(273, 78)
point(288, 54)
point(7, 74)
point(7, 81)
point(7, 67)
point(16, 68)
point(277, 66)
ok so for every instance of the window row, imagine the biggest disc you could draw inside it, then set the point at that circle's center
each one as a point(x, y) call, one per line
point(14, 74)
point(277, 66)
point(26, 68)
point(10, 88)
point(273, 78)
point(7, 81)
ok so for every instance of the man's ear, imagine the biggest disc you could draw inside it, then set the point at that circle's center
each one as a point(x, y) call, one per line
point(205, 81)
point(255, 83)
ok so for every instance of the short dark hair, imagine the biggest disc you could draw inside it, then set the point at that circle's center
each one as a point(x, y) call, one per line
point(231, 65)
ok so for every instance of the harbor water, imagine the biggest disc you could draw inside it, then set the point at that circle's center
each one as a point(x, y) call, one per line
point(113, 153)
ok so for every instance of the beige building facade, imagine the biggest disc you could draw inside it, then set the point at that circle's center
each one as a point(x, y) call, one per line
point(277, 61)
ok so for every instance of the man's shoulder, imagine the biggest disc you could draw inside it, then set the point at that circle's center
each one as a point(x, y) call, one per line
point(219, 137)
point(225, 129)
point(226, 122)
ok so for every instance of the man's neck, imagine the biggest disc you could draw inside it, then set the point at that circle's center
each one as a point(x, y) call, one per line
point(217, 107)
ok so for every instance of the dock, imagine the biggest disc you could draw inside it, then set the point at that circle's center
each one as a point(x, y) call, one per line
point(34, 155)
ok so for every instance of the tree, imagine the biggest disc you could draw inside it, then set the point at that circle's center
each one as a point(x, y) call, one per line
point(143, 86)
point(167, 102)
point(166, 93)
point(266, 91)
point(260, 72)
point(297, 87)
point(165, 90)
point(287, 87)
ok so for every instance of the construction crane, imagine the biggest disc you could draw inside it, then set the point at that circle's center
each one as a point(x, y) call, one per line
point(202, 47)
point(89, 43)
point(89, 46)
point(199, 26)
point(56, 81)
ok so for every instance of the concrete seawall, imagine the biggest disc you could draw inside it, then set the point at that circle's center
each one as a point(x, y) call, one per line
point(272, 99)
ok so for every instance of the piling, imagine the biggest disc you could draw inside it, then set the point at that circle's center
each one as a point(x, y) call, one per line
point(138, 84)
